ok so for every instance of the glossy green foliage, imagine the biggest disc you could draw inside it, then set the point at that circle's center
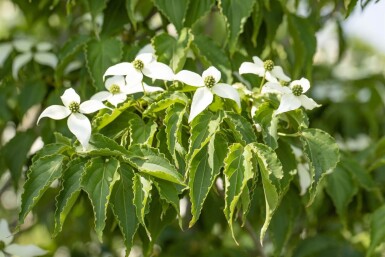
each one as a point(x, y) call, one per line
point(233, 180)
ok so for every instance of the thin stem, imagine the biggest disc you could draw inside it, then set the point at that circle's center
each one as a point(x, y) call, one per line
point(258, 247)
point(165, 85)
point(144, 90)
point(262, 81)
point(95, 28)
point(288, 135)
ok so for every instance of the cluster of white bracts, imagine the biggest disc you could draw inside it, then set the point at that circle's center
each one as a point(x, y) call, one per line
point(127, 78)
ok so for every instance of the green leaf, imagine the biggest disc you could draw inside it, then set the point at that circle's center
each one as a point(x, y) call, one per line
point(69, 192)
point(241, 128)
point(67, 53)
point(204, 167)
point(32, 93)
point(15, 153)
point(238, 171)
point(142, 198)
point(50, 149)
point(99, 178)
point(322, 152)
point(257, 18)
point(274, 182)
point(157, 220)
point(349, 6)
point(141, 132)
point(304, 43)
point(103, 120)
point(96, 7)
point(341, 189)
point(103, 146)
point(40, 176)
point(297, 119)
point(99, 56)
point(173, 51)
point(359, 173)
point(286, 156)
point(161, 138)
point(168, 192)
point(203, 127)
point(164, 100)
point(377, 232)
point(211, 54)
point(174, 10)
point(150, 161)
point(60, 139)
point(123, 207)
point(196, 10)
point(236, 13)
point(114, 18)
point(173, 122)
point(272, 16)
point(269, 123)
point(130, 7)
point(281, 225)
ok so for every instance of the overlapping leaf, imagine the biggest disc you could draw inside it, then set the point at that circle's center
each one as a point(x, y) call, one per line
point(204, 167)
point(99, 178)
point(40, 176)
point(150, 161)
point(238, 171)
point(123, 207)
point(69, 193)
point(323, 154)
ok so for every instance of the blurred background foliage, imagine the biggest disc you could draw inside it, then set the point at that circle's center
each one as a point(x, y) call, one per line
point(306, 37)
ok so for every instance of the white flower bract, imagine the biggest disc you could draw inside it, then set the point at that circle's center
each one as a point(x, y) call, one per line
point(208, 86)
point(292, 97)
point(258, 67)
point(14, 249)
point(144, 64)
point(77, 122)
point(41, 55)
point(117, 91)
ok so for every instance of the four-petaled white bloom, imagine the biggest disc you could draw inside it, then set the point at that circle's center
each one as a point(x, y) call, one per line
point(77, 122)
point(40, 54)
point(292, 96)
point(208, 85)
point(264, 69)
point(6, 247)
point(117, 91)
point(144, 63)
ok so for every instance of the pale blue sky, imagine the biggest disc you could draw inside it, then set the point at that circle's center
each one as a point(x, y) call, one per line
point(368, 25)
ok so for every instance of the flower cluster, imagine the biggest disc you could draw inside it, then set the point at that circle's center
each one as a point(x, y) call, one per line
point(292, 96)
point(28, 50)
point(126, 78)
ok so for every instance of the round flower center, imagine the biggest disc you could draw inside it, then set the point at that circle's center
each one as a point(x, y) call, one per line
point(138, 64)
point(297, 90)
point(74, 107)
point(209, 81)
point(268, 65)
point(114, 89)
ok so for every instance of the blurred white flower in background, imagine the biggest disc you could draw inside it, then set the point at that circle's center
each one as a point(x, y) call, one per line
point(6, 247)
point(29, 49)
